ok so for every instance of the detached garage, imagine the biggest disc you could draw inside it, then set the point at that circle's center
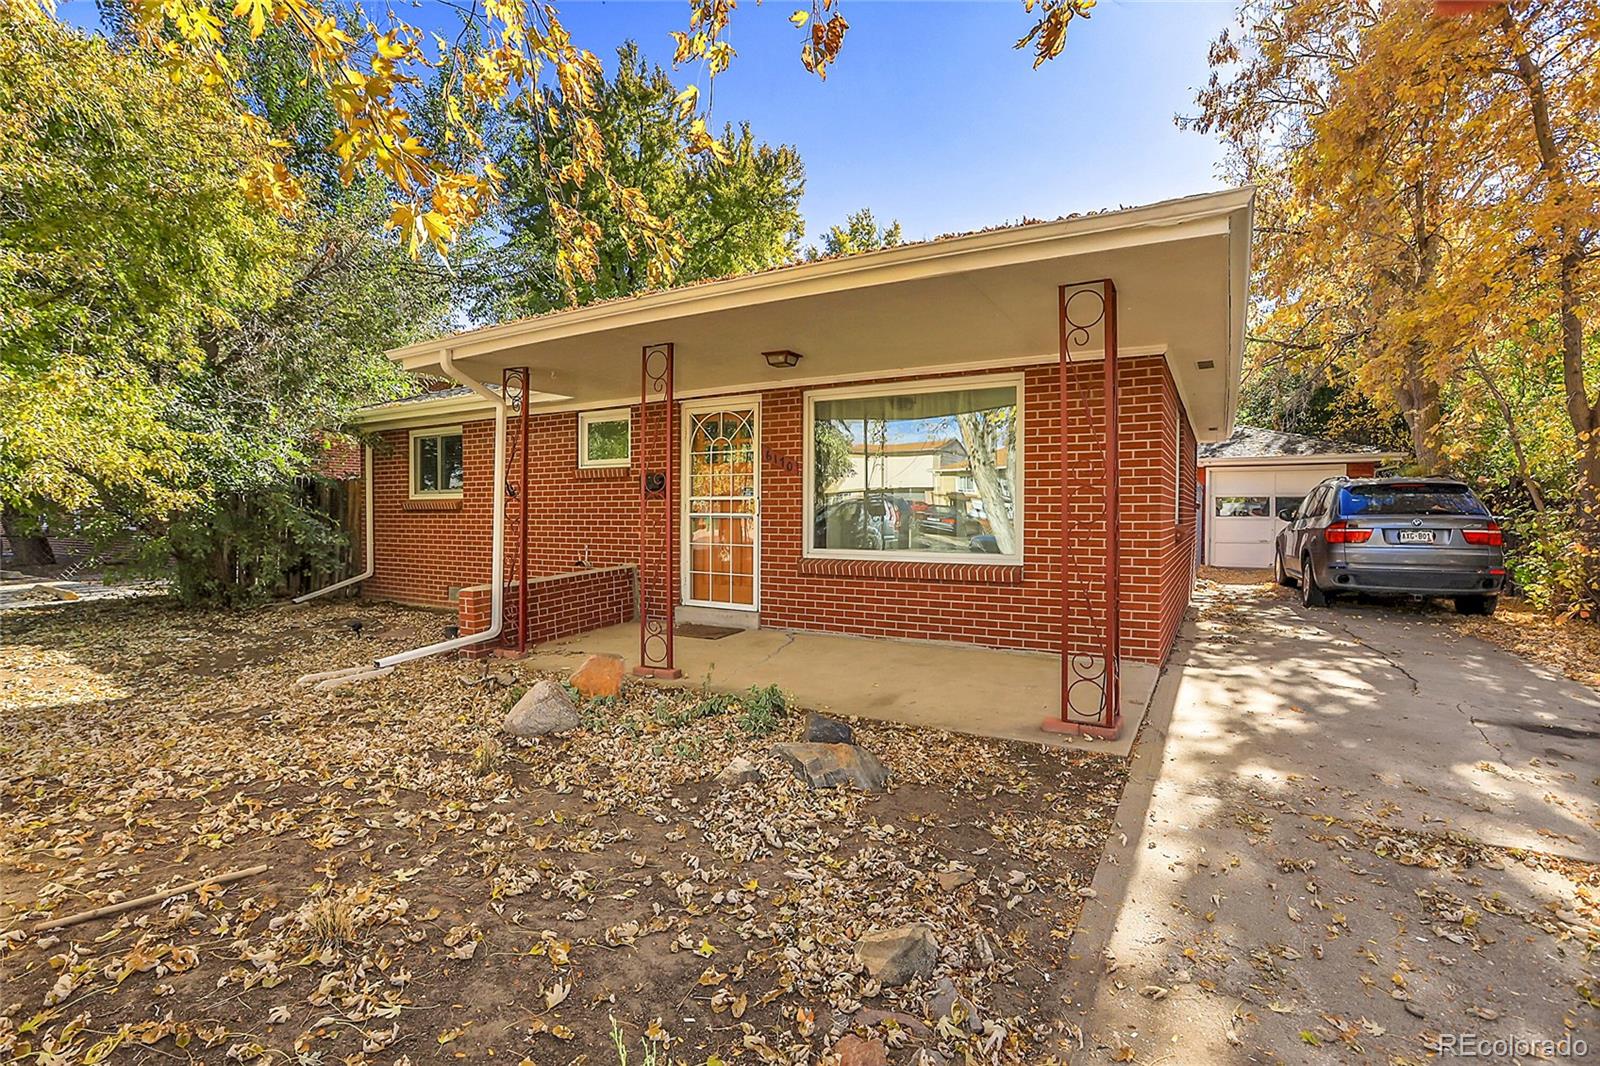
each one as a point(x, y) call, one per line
point(1246, 479)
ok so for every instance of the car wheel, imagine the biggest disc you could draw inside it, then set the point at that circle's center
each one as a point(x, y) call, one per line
point(1279, 573)
point(1476, 604)
point(1310, 594)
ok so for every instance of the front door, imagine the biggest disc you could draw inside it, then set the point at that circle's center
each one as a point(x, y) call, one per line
point(722, 497)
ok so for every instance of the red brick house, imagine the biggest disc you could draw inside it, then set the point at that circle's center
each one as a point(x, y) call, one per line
point(753, 451)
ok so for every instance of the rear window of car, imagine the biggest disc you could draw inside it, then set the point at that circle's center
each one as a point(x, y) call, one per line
point(1359, 500)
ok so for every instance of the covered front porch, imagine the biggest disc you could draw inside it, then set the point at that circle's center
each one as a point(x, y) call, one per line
point(978, 440)
point(983, 691)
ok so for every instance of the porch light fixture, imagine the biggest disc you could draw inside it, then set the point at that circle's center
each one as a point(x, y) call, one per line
point(782, 359)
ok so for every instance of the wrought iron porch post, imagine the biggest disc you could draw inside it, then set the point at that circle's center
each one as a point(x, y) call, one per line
point(656, 493)
point(518, 377)
point(1085, 678)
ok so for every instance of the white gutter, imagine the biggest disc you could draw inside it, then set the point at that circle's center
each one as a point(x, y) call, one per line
point(497, 577)
point(370, 558)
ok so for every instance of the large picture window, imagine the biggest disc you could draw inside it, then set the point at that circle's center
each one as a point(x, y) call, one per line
point(437, 467)
point(916, 471)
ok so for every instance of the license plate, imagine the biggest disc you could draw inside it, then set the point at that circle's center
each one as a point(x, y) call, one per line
point(1416, 536)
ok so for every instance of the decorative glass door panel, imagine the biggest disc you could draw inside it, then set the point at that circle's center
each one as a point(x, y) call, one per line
point(724, 511)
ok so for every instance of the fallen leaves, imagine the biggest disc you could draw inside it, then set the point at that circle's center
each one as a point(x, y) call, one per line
point(425, 892)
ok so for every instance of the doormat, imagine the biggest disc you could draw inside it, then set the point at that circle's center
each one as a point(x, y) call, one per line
point(701, 631)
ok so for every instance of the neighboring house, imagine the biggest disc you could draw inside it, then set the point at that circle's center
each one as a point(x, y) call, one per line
point(909, 469)
point(964, 327)
point(1246, 479)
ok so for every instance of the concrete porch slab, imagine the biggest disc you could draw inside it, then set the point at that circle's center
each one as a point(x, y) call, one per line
point(962, 689)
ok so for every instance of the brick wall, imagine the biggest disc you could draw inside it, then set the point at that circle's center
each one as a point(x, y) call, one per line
point(425, 549)
point(560, 605)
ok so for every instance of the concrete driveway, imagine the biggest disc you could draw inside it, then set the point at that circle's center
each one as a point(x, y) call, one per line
point(1352, 834)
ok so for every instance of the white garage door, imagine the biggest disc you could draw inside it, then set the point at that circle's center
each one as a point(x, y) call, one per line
point(1242, 506)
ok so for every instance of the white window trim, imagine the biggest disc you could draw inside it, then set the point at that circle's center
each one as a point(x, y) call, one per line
point(585, 419)
point(1018, 491)
point(411, 463)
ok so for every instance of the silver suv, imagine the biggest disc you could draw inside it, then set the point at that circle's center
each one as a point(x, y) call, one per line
point(1407, 536)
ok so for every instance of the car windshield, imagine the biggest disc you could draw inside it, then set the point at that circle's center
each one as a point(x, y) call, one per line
point(1363, 500)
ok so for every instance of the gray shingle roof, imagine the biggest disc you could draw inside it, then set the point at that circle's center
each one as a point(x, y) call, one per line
point(1248, 442)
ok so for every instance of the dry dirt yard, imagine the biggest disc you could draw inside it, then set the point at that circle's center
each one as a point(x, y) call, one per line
point(437, 891)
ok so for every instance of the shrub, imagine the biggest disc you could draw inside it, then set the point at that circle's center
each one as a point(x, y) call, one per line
point(764, 710)
point(1545, 557)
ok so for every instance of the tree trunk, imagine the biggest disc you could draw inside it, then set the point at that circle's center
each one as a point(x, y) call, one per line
point(28, 547)
point(1513, 433)
point(1421, 407)
point(977, 436)
point(1582, 411)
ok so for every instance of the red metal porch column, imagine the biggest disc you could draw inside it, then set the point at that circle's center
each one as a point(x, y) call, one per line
point(657, 573)
point(517, 377)
point(1090, 684)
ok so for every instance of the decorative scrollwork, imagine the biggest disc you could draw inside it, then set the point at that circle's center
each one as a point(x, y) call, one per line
point(1077, 333)
point(657, 369)
point(654, 645)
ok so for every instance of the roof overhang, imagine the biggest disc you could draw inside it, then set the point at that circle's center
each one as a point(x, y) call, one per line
point(1181, 269)
point(1301, 460)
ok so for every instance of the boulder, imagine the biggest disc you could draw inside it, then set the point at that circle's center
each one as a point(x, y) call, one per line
point(895, 956)
point(945, 1001)
point(834, 765)
point(600, 675)
point(854, 1051)
point(821, 730)
point(544, 708)
point(739, 771)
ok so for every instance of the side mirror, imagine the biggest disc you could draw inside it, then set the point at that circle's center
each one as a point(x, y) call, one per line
point(1288, 514)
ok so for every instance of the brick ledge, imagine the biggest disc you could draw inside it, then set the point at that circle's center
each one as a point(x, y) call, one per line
point(431, 505)
point(901, 570)
point(603, 473)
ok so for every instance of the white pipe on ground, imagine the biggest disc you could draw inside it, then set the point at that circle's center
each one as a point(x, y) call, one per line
point(370, 558)
point(497, 565)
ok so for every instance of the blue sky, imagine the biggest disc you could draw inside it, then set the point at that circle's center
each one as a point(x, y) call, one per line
point(931, 116)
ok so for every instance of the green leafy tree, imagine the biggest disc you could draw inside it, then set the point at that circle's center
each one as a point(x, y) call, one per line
point(738, 209)
point(171, 354)
point(125, 235)
point(860, 233)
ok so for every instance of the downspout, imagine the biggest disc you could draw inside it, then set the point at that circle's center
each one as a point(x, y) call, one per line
point(371, 559)
point(497, 565)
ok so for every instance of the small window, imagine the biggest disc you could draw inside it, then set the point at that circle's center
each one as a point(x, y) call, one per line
point(605, 438)
point(1281, 502)
point(1244, 506)
point(437, 464)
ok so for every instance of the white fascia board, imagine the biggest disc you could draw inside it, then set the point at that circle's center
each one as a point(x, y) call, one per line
point(420, 412)
point(1301, 460)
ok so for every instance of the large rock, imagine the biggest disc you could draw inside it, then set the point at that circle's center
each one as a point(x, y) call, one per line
point(821, 730)
point(834, 765)
point(544, 708)
point(854, 1051)
point(600, 675)
point(895, 956)
point(739, 771)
